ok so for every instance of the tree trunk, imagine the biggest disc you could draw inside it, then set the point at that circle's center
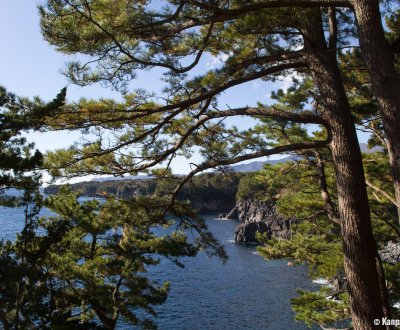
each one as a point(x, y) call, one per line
point(368, 298)
point(384, 78)
point(329, 206)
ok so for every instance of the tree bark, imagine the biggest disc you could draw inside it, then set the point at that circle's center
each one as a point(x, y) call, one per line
point(384, 78)
point(368, 298)
point(329, 206)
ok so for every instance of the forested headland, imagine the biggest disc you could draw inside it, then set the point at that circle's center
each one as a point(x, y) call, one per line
point(207, 193)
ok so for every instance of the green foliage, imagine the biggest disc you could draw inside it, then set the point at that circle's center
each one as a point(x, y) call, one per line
point(144, 130)
point(315, 240)
point(357, 83)
point(321, 308)
point(318, 244)
point(381, 194)
point(120, 37)
point(358, 86)
point(105, 248)
point(18, 115)
point(377, 170)
point(89, 261)
point(251, 188)
point(117, 188)
point(296, 188)
point(20, 277)
point(298, 95)
point(86, 266)
point(393, 284)
point(19, 273)
point(393, 35)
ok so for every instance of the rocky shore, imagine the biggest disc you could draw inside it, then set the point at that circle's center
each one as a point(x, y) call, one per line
point(258, 216)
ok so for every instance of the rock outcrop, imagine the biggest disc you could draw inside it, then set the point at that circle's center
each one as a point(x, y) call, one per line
point(391, 253)
point(246, 232)
point(259, 216)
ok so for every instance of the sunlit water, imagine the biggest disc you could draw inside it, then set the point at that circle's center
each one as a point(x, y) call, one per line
point(245, 293)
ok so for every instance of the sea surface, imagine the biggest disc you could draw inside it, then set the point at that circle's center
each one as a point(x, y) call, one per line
point(247, 292)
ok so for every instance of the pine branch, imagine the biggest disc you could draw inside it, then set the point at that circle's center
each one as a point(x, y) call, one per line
point(262, 153)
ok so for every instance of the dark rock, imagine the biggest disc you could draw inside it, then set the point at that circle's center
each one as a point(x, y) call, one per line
point(259, 216)
point(246, 232)
point(339, 284)
point(253, 211)
point(233, 214)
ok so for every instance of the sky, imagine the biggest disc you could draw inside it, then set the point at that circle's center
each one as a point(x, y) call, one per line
point(31, 67)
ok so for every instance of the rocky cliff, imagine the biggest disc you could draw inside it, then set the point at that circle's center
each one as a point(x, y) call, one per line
point(258, 216)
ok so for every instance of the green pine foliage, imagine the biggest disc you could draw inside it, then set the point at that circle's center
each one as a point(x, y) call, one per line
point(105, 251)
point(315, 240)
point(316, 243)
point(19, 165)
point(295, 187)
point(86, 267)
point(322, 307)
point(250, 188)
point(17, 157)
point(121, 37)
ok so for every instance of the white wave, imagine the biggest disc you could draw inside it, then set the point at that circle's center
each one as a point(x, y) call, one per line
point(321, 281)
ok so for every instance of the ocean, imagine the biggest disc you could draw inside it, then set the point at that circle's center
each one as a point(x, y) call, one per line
point(246, 292)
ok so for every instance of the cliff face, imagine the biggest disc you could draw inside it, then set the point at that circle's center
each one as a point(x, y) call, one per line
point(213, 206)
point(258, 216)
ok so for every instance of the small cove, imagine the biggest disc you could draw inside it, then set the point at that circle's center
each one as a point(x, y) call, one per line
point(246, 292)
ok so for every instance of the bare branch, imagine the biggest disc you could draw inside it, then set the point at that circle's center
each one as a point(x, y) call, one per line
point(381, 191)
point(225, 14)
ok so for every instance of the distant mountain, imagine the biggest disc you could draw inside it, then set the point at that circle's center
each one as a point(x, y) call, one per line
point(364, 148)
point(258, 165)
point(242, 168)
point(122, 178)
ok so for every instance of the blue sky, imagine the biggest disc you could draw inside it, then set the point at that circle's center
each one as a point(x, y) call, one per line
point(30, 67)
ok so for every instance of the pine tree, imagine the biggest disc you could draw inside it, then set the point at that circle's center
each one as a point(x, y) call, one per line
point(306, 189)
point(19, 166)
point(85, 266)
point(259, 44)
point(18, 115)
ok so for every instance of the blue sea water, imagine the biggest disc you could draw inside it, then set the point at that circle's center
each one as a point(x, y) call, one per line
point(247, 292)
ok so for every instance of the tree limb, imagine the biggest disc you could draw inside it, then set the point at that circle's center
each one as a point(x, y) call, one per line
point(262, 153)
point(384, 193)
